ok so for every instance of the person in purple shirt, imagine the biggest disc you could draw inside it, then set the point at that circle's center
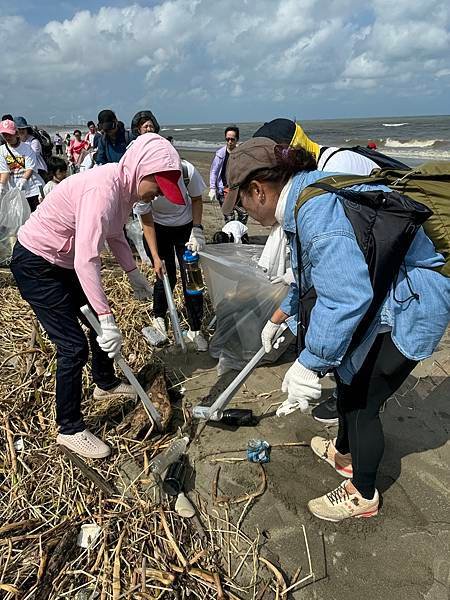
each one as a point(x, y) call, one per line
point(217, 176)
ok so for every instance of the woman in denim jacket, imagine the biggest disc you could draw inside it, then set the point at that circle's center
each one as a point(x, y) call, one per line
point(267, 179)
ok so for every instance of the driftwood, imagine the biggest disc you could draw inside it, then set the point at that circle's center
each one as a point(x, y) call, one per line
point(61, 555)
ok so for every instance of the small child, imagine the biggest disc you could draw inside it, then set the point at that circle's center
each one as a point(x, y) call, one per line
point(57, 171)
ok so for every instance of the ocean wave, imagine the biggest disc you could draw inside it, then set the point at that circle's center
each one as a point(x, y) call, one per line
point(421, 155)
point(394, 124)
point(198, 145)
point(390, 143)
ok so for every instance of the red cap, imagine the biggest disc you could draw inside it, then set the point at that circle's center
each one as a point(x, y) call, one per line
point(372, 145)
point(168, 184)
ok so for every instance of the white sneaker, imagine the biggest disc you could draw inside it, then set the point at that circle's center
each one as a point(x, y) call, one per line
point(85, 444)
point(159, 324)
point(198, 340)
point(123, 390)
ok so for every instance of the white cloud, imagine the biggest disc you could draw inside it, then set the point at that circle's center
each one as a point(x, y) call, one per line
point(223, 54)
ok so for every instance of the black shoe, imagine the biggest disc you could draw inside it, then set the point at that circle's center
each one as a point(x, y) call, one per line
point(326, 412)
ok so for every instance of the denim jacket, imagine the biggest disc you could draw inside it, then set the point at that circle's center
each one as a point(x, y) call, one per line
point(333, 263)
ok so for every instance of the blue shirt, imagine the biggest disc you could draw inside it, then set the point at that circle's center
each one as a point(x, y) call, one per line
point(333, 263)
point(109, 151)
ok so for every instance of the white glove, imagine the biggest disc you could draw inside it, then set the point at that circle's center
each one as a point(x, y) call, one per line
point(268, 334)
point(197, 240)
point(110, 340)
point(141, 287)
point(301, 385)
point(21, 184)
point(212, 195)
point(286, 279)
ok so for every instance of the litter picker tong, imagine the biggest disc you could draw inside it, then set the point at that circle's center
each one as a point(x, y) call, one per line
point(126, 369)
point(215, 411)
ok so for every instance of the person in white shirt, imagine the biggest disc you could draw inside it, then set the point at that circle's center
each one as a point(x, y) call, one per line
point(57, 170)
point(26, 136)
point(18, 168)
point(233, 232)
point(168, 229)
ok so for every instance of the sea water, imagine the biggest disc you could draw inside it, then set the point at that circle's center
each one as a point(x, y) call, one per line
point(410, 139)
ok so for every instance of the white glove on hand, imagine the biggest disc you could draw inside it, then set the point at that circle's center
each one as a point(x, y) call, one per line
point(197, 240)
point(286, 279)
point(268, 334)
point(21, 184)
point(110, 340)
point(141, 287)
point(212, 195)
point(301, 385)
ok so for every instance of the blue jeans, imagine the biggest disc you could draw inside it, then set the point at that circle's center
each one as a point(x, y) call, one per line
point(55, 295)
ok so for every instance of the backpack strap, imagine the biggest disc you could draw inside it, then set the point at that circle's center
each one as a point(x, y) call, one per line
point(333, 184)
point(186, 178)
point(322, 167)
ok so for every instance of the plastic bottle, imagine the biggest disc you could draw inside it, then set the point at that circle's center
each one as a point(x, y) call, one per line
point(163, 460)
point(194, 277)
point(240, 417)
point(258, 451)
point(175, 476)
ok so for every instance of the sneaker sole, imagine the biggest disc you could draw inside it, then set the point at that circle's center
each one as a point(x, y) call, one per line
point(85, 454)
point(114, 396)
point(365, 515)
point(332, 464)
point(327, 421)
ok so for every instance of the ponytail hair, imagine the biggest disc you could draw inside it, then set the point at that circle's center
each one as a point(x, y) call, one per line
point(289, 162)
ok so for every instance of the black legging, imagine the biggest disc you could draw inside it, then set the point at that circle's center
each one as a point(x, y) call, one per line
point(360, 430)
point(171, 240)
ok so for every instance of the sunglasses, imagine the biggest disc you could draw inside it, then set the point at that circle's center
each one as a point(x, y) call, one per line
point(230, 139)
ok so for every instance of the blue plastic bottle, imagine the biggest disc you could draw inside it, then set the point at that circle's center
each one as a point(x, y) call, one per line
point(194, 278)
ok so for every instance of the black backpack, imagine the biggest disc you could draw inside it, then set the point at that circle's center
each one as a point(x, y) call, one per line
point(45, 140)
point(385, 224)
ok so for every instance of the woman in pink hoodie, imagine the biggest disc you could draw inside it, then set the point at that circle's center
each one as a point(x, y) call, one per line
point(56, 263)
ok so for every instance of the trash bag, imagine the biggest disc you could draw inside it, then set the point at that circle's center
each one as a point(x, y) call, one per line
point(134, 233)
point(243, 299)
point(14, 211)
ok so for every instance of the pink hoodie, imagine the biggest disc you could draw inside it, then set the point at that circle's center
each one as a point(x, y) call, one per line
point(71, 226)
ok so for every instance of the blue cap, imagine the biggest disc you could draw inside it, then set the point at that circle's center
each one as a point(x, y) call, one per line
point(21, 122)
point(190, 257)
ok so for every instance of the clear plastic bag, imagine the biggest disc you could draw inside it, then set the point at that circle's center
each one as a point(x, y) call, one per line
point(243, 299)
point(14, 211)
point(134, 232)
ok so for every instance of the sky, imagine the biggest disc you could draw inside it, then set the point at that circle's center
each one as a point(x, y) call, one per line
point(201, 61)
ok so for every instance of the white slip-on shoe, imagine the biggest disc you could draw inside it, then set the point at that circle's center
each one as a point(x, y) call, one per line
point(123, 390)
point(85, 444)
point(159, 324)
point(197, 338)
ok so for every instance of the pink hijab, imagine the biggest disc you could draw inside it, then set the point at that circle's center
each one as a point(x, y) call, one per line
point(147, 155)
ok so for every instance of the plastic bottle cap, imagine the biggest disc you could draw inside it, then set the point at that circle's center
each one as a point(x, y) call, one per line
point(188, 256)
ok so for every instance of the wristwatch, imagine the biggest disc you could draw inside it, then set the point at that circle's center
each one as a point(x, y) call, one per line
point(200, 226)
